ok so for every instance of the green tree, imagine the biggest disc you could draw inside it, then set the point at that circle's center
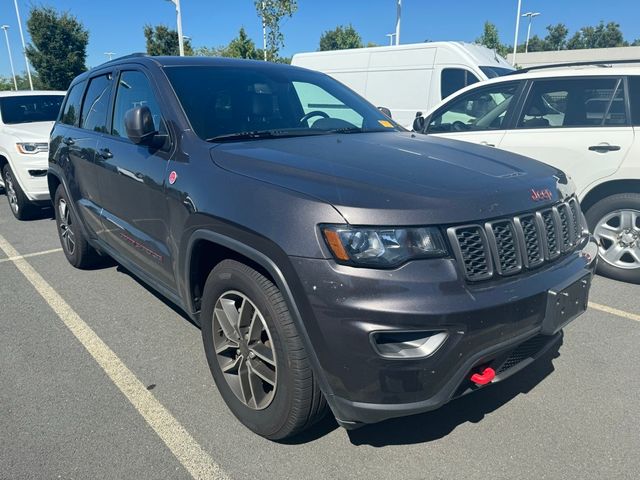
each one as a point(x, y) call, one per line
point(272, 12)
point(58, 50)
point(491, 39)
point(240, 47)
point(635, 43)
point(341, 38)
point(556, 38)
point(600, 36)
point(6, 83)
point(162, 40)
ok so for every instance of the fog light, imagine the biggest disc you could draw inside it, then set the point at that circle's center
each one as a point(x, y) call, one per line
point(407, 344)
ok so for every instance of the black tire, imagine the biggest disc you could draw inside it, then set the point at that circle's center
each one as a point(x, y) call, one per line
point(19, 204)
point(82, 255)
point(297, 402)
point(599, 211)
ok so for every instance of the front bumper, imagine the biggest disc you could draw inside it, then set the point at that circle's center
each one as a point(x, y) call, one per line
point(485, 322)
point(31, 173)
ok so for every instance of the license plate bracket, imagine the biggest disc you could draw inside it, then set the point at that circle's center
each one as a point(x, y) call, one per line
point(565, 304)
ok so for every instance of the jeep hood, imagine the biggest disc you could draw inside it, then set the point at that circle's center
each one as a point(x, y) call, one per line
point(397, 178)
point(30, 132)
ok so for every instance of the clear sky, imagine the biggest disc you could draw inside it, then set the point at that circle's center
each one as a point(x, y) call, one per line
point(116, 25)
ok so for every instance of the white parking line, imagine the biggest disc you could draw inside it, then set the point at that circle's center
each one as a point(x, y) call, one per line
point(29, 255)
point(614, 311)
point(185, 448)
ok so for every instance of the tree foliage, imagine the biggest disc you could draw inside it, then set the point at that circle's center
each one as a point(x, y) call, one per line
point(6, 82)
point(58, 50)
point(240, 47)
point(341, 38)
point(491, 39)
point(272, 12)
point(162, 40)
point(600, 36)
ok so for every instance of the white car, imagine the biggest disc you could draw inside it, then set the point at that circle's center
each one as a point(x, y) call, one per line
point(584, 120)
point(26, 119)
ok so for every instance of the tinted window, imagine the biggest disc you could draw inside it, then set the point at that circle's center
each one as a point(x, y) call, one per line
point(30, 108)
point(454, 79)
point(278, 100)
point(584, 102)
point(493, 72)
point(96, 104)
point(133, 91)
point(634, 93)
point(480, 109)
point(71, 112)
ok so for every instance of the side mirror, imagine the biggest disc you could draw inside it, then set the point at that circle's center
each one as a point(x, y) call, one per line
point(139, 125)
point(418, 123)
point(386, 111)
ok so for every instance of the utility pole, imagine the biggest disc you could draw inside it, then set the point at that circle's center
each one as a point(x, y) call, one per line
point(24, 48)
point(390, 35)
point(13, 72)
point(515, 41)
point(398, 16)
point(264, 34)
point(109, 55)
point(531, 16)
point(179, 22)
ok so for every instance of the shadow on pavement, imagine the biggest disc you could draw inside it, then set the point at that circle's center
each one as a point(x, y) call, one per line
point(437, 424)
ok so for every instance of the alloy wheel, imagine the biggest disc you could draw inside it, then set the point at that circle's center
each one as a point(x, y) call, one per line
point(618, 234)
point(244, 350)
point(11, 193)
point(64, 223)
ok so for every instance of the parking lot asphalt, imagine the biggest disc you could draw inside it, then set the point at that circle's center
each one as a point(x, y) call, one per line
point(64, 414)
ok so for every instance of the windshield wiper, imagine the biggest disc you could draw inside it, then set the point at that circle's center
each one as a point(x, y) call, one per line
point(258, 134)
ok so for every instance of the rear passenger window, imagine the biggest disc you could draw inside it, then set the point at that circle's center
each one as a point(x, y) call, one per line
point(96, 104)
point(584, 102)
point(634, 94)
point(454, 79)
point(71, 113)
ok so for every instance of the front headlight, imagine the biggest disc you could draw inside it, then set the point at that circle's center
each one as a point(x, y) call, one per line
point(382, 247)
point(32, 147)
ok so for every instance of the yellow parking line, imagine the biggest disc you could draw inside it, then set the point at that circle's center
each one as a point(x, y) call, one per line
point(29, 255)
point(185, 448)
point(614, 311)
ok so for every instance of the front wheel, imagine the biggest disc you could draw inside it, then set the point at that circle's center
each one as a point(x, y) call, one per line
point(255, 354)
point(20, 205)
point(615, 222)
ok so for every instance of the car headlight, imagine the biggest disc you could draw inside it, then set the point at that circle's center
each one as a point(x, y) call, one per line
point(32, 147)
point(383, 247)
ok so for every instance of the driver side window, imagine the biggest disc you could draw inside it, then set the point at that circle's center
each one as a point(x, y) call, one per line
point(315, 99)
point(481, 109)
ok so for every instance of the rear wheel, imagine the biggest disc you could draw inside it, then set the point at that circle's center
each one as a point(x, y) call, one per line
point(615, 222)
point(74, 244)
point(20, 205)
point(255, 354)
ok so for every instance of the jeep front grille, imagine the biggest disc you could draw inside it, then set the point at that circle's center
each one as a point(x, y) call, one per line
point(507, 246)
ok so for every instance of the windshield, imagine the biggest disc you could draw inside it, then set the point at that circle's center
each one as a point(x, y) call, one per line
point(493, 72)
point(247, 102)
point(30, 108)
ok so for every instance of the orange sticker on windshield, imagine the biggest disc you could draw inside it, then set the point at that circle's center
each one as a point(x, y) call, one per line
point(385, 123)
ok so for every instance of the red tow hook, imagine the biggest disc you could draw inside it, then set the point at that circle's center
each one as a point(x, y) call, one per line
point(487, 376)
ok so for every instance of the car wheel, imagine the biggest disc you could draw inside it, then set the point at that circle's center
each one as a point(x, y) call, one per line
point(74, 244)
point(255, 354)
point(615, 222)
point(20, 205)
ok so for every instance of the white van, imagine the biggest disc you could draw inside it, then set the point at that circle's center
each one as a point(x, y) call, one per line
point(407, 78)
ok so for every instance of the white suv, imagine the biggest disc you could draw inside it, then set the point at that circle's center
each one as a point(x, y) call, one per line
point(26, 119)
point(584, 120)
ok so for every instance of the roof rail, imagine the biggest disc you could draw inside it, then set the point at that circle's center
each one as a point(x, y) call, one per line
point(595, 63)
point(131, 55)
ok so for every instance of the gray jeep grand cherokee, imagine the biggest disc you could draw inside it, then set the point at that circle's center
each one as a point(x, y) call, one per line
point(331, 258)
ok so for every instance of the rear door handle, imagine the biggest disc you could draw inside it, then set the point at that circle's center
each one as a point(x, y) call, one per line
point(68, 141)
point(603, 148)
point(105, 153)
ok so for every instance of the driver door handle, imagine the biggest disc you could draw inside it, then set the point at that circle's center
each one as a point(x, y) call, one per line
point(68, 141)
point(105, 153)
point(487, 144)
point(604, 148)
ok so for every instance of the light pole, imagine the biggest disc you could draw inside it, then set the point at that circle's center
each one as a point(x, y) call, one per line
point(531, 16)
point(179, 21)
point(390, 35)
point(515, 41)
point(398, 15)
point(24, 48)
point(109, 55)
point(13, 72)
point(264, 34)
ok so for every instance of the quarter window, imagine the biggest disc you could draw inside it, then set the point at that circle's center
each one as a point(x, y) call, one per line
point(634, 94)
point(133, 91)
point(96, 104)
point(480, 109)
point(454, 79)
point(585, 102)
point(71, 112)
